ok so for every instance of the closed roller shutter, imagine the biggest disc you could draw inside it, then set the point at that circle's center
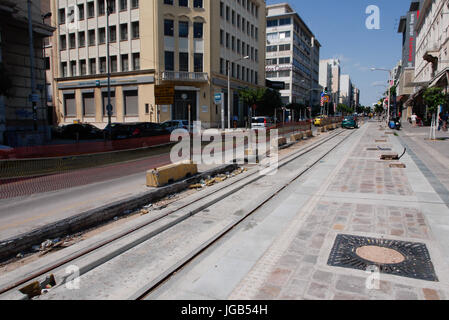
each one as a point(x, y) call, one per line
point(131, 103)
point(70, 105)
point(89, 104)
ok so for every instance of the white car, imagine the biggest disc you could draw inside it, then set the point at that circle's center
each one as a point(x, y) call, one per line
point(262, 122)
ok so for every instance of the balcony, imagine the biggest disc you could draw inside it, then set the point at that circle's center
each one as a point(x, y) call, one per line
point(431, 53)
point(184, 76)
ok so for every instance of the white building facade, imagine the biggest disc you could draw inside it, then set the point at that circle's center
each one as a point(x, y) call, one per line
point(292, 55)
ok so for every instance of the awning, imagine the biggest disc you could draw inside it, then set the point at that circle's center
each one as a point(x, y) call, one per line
point(413, 97)
point(402, 98)
point(441, 76)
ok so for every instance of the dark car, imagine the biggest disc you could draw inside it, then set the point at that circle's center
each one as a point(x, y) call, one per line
point(350, 122)
point(81, 131)
point(151, 129)
point(135, 130)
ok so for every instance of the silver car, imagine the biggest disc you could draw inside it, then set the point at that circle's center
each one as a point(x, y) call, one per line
point(262, 122)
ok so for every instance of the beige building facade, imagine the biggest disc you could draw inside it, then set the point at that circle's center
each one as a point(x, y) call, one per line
point(184, 44)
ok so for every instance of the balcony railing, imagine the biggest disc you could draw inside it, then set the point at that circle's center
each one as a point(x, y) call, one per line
point(184, 76)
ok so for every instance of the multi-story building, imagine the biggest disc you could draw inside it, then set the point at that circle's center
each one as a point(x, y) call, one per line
point(330, 73)
point(293, 55)
point(432, 46)
point(405, 85)
point(185, 44)
point(346, 90)
point(23, 116)
point(355, 97)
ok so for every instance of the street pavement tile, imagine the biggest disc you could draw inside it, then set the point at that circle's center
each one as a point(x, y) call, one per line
point(430, 294)
point(353, 178)
point(268, 292)
point(317, 291)
point(405, 295)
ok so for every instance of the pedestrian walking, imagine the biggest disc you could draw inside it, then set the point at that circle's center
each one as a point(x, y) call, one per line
point(414, 119)
point(440, 121)
point(445, 118)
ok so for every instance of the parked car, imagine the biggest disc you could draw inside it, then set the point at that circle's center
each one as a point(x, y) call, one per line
point(262, 122)
point(151, 129)
point(319, 120)
point(176, 124)
point(82, 131)
point(135, 130)
point(350, 122)
point(6, 152)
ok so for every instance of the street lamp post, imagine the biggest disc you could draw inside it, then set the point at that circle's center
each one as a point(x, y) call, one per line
point(229, 88)
point(389, 90)
point(109, 106)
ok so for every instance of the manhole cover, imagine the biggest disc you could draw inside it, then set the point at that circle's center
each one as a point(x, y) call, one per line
point(405, 259)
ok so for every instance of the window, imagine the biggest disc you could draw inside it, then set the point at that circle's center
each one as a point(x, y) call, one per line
point(197, 3)
point(103, 67)
point(91, 37)
point(73, 72)
point(114, 66)
point(222, 66)
point(124, 32)
point(81, 11)
point(131, 99)
point(81, 39)
point(64, 69)
point(168, 28)
point(183, 29)
point(89, 104)
point(272, 23)
point(134, 4)
point(63, 42)
point(100, 7)
point(61, 16)
point(136, 61)
point(47, 63)
point(198, 30)
point(198, 62)
point(183, 62)
point(72, 41)
point(135, 30)
point(101, 35)
point(123, 5)
point(183, 3)
point(169, 2)
point(90, 9)
point(70, 105)
point(113, 34)
point(169, 61)
point(285, 21)
point(221, 37)
point(221, 9)
point(125, 62)
point(93, 66)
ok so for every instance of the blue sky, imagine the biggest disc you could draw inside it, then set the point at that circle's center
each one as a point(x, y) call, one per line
point(339, 25)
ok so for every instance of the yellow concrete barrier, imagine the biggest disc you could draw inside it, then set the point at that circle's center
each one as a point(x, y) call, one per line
point(281, 141)
point(296, 137)
point(164, 175)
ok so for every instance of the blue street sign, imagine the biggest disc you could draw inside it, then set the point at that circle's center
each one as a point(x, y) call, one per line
point(218, 98)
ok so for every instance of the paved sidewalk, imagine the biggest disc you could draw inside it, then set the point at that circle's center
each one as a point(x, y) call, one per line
point(352, 193)
point(363, 198)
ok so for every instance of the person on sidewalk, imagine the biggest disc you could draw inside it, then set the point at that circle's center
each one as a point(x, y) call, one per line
point(445, 117)
point(414, 118)
point(440, 121)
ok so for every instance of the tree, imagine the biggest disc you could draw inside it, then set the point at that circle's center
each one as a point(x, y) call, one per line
point(344, 109)
point(266, 100)
point(298, 109)
point(434, 97)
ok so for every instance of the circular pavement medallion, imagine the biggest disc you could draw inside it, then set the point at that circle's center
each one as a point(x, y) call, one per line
point(380, 255)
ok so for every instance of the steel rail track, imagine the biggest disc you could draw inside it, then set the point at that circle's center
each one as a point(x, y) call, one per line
point(286, 160)
point(218, 237)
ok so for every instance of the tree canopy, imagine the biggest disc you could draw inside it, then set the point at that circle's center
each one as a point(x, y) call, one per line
point(434, 97)
point(266, 100)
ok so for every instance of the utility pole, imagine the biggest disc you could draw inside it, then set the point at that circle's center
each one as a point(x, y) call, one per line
point(32, 71)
